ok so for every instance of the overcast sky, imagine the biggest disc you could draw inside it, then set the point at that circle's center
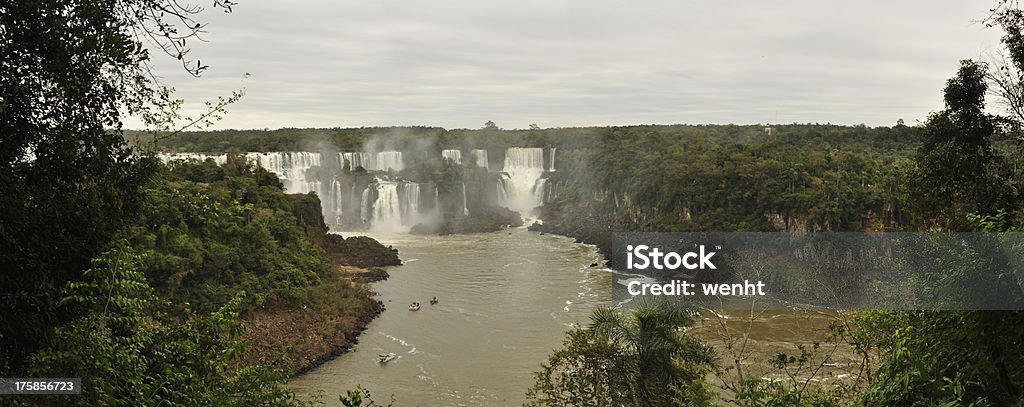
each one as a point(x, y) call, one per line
point(458, 64)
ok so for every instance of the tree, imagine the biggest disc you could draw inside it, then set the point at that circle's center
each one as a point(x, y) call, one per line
point(128, 351)
point(69, 180)
point(1008, 75)
point(945, 357)
point(631, 359)
point(957, 170)
point(950, 357)
point(490, 125)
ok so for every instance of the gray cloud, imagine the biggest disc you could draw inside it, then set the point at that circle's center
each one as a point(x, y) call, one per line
point(574, 63)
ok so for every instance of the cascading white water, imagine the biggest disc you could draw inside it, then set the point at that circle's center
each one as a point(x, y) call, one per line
point(396, 208)
point(518, 185)
point(540, 189)
point(521, 186)
point(551, 168)
point(409, 195)
point(386, 160)
point(355, 160)
point(220, 159)
point(479, 157)
point(290, 167)
point(364, 206)
point(454, 155)
point(504, 187)
point(332, 205)
point(387, 209)
point(465, 209)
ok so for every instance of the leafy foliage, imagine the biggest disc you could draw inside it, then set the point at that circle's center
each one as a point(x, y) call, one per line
point(955, 357)
point(958, 171)
point(209, 231)
point(968, 358)
point(70, 181)
point(639, 358)
point(69, 184)
point(361, 397)
point(129, 351)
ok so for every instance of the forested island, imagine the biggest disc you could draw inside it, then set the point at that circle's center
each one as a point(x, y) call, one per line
point(186, 267)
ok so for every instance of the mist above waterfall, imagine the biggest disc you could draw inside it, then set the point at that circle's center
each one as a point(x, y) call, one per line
point(396, 150)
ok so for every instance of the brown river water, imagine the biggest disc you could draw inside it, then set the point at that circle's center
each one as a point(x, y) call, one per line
point(505, 302)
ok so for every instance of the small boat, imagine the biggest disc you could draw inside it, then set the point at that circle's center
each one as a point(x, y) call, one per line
point(386, 357)
point(414, 306)
point(433, 301)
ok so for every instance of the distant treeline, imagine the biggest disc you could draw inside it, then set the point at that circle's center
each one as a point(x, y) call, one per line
point(731, 178)
point(859, 138)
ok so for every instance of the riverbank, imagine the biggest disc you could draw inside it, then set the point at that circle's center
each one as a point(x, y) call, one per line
point(336, 312)
point(583, 224)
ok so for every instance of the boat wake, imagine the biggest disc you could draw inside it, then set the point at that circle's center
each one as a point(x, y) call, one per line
point(413, 350)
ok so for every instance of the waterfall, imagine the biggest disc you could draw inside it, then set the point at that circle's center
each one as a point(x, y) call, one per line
point(409, 195)
point(355, 160)
point(454, 155)
point(392, 204)
point(290, 167)
point(387, 209)
point(332, 205)
point(518, 185)
point(540, 189)
point(387, 160)
point(504, 185)
point(479, 156)
point(220, 159)
point(379, 161)
point(550, 192)
point(364, 206)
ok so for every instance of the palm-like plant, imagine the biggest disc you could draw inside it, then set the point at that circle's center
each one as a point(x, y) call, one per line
point(624, 359)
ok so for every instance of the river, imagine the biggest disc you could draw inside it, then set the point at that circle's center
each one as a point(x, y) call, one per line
point(505, 302)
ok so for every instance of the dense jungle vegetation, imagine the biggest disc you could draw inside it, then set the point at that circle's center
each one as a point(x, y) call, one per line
point(140, 278)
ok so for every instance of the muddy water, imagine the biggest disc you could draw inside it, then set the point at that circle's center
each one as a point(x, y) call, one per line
point(746, 343)
point(505, 302)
